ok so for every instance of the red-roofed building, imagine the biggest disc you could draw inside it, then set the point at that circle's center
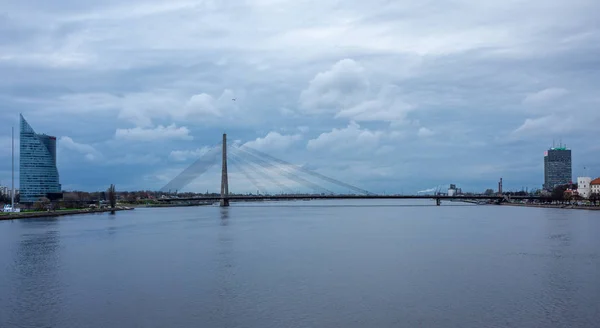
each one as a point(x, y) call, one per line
point(595, 184)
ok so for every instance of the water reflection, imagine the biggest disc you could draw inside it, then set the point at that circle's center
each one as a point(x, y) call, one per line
point(225, 291)
point(112, 230)
point(559, 292)
point(36, 288)
point(224, 216)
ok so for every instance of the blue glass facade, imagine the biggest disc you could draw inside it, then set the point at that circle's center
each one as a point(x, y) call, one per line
point(38, 174)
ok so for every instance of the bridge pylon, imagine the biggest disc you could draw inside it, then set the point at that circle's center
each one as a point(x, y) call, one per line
point(224, 179)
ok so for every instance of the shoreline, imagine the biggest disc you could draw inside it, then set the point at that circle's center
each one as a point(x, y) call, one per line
point(51, 214)
point(167, 205)
point(556, 206)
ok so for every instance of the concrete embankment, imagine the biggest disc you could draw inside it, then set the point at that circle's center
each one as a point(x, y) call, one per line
point(29, 215)
point(559, 206)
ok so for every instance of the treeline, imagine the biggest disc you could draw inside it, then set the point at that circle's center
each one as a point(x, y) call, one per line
point(124, 196)
point(565, 194)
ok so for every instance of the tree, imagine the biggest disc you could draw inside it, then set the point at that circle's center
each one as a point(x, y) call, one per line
point(594, 198)
point(41, 204)
point(489, 192)
point(558, 194)
point(568, 197)
point(112, 196)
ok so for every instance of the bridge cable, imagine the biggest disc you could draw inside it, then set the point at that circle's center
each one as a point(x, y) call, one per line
point(193, 171)
point(288, 174)
point(315, 174)
point(236, 163)
point(258, 171)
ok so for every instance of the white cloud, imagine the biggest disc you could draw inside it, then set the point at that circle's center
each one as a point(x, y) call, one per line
point(273, 141)
point(345, 90)
point(142, 108)
point(158, 133)
point(546, 125)
point(88, 151)
point(350, 138)
point(206, 108)
point(544, 96)
point(303, 129)
point(343, 85)
point(425, 132)
point(134, 159)
point(387, 105)
point(430, 190)
point(184, 155)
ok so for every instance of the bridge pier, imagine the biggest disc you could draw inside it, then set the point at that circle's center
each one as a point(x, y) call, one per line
point(224, 180)
point(438, 202)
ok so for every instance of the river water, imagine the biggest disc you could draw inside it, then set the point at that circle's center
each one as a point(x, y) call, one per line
point(304, 264)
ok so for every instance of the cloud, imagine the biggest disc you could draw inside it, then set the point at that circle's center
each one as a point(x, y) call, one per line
point(86, 68)
point(273, 141)
point(184, 155)
point(134, 159)
point(546, 125)
point(88, 151)
point(425, 132)
point(544, 96)
point(171, 132)
point(303, 129)
point(343, 85)
point(142, 108)
point(346, 90)
point(204, 106)
point(387, 106)
point(353, 137)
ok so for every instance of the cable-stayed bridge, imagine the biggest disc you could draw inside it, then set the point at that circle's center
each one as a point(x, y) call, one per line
point(276, 179)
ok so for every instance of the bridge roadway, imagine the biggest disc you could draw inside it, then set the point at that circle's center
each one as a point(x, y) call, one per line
point(312, 197)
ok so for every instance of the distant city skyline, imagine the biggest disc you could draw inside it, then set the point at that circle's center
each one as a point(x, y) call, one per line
point(514, 186)
point(352, 91)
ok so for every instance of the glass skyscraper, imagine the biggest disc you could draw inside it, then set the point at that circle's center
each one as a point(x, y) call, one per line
point(557, 167)
point(38, 174)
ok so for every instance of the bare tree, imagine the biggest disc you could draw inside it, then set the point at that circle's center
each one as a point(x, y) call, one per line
point(112, 196)
point(41, 204)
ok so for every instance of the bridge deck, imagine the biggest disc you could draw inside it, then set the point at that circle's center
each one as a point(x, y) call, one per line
point(294, 197)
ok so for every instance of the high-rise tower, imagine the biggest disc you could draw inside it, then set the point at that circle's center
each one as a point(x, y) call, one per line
point(38, 174)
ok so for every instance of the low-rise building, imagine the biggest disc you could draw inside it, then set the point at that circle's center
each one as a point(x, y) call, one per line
point(584, 186)
point(595, 186)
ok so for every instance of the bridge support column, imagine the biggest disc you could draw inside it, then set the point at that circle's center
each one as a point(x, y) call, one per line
point(224, 180)
point(438, 202)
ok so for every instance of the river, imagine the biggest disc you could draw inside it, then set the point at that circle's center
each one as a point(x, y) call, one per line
point(372, 263)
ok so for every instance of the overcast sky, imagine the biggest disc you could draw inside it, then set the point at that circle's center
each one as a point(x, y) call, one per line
point(394, 96)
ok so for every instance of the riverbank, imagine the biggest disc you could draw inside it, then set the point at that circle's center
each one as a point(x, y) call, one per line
point(168, 205)
point(558, 206)
point(30, 215)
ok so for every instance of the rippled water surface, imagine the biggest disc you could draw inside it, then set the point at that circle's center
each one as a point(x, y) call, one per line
point(304, 264)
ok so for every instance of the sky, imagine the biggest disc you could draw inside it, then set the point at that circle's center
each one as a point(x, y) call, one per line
point(391, 96)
